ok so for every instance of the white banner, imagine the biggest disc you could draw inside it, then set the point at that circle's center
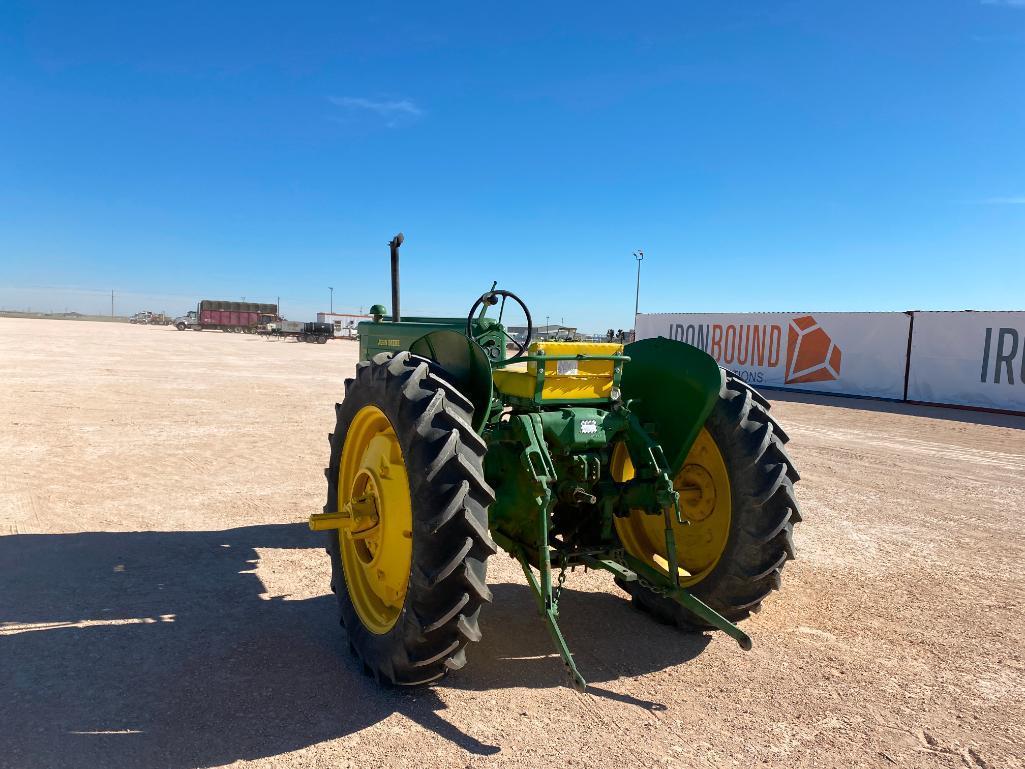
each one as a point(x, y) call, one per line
point(854, 353)
point(969, 359)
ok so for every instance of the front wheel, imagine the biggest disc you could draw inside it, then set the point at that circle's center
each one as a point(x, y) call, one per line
point(737, 498)
point(409, 571)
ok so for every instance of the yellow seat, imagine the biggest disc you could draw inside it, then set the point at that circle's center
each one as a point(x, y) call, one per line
point(564, 380)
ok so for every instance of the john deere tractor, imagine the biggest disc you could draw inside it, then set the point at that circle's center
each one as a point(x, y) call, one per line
point(456, 438)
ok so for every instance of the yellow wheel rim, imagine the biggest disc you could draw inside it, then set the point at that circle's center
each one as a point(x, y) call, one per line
point(705, 501)
point(377, 550)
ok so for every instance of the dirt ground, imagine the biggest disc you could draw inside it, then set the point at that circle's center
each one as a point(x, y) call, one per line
point(163, 604)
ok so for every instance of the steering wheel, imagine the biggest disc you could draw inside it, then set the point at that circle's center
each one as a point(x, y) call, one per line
point(490, 299)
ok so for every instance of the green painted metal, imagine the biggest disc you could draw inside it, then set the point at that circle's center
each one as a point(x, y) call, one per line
point(388, 336)
point(672, 386)
point(549, 612)
point(608, 564)
point(541, 476)
point(519, 464)
point(580, 428)
point(549, 462)
point(656, 580)
point(630, 569)
point(466, 366)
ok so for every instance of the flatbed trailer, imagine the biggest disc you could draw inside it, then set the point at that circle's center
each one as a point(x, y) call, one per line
point(312, 333)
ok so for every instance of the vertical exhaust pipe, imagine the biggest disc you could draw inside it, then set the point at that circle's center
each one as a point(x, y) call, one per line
point(394, 243)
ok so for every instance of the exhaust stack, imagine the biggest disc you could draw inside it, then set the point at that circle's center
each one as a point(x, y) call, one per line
point(394, 243)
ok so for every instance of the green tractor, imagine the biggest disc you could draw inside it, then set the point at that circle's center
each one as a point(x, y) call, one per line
point(454, 438)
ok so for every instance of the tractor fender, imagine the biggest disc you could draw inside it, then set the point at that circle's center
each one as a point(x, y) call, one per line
point(466, 367)
point(672, 387)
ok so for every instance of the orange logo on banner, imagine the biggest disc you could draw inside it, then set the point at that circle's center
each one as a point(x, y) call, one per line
point(812, 356)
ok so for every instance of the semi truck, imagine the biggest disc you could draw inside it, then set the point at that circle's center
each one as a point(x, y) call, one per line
point(236, 317)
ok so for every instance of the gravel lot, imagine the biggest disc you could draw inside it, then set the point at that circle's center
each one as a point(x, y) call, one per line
point(162, 603)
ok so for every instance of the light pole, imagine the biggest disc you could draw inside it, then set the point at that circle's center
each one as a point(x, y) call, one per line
point(639, 256)
point(548, 328)
point(332, 290)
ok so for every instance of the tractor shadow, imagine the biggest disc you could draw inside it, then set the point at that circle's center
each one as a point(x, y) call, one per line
point(609, 638)
point(162, 649)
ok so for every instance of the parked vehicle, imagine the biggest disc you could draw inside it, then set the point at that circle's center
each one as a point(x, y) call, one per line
point(285, 327)
point(235, 317)
point(317, 333)
point(344, 323)
point(647, 460)
point(147, 318)
point(188, 320)
point(346, 330)
point(313, 333)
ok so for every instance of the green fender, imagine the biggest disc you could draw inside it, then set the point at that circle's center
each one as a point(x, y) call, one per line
point(466, 365)
point(673, 387)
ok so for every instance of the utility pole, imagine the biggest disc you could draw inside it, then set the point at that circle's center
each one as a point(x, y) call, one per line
point(112, 304)
point(332, 290)
point(639, 256)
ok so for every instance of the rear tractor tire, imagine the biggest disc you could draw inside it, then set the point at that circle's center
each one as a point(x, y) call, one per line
point(737, 489)
point(410, 574)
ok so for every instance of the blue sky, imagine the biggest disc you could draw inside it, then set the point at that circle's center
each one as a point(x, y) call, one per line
point(765, 155)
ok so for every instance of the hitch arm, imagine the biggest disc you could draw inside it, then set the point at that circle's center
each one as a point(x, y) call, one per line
point(655, 581)
point(538, 462)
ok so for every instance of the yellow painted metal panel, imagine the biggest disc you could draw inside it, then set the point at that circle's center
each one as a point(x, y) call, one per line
point(564, 380)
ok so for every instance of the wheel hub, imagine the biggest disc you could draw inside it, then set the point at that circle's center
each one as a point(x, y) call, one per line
point(376, 544)
point(705, 503)
point(697, 492)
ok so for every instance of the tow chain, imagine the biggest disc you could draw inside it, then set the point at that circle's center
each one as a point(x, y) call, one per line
point(557, 593)
point(659, 590)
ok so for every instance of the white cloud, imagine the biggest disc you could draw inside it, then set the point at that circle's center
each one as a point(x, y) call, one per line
point(391, 110)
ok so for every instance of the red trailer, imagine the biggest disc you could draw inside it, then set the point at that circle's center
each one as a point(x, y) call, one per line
point(238, 317)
